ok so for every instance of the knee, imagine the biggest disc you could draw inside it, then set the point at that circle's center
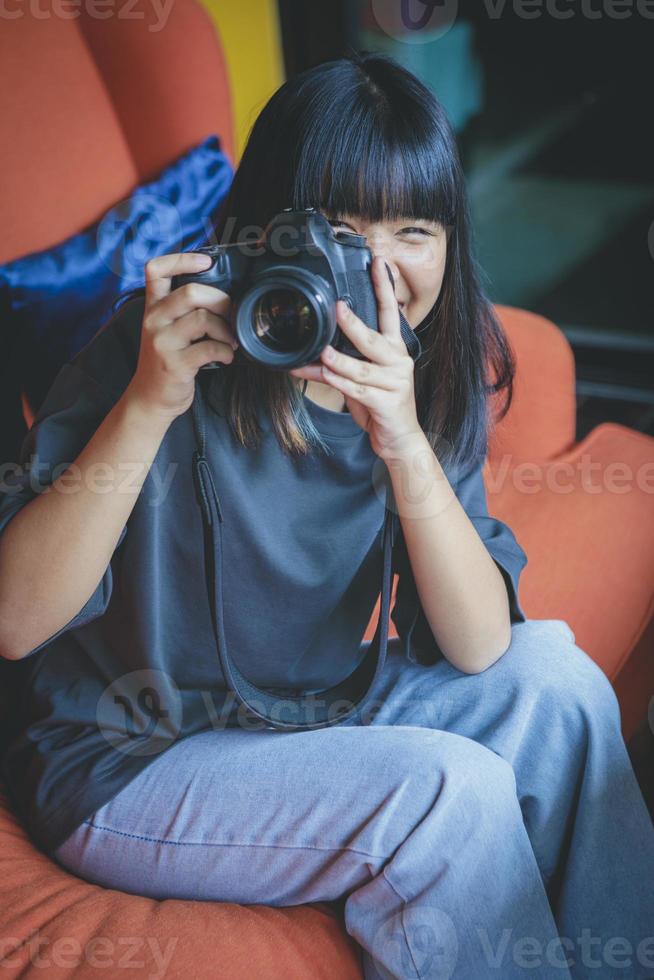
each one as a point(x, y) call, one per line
point(436, 785)
point(544, 661)
point(436, 758)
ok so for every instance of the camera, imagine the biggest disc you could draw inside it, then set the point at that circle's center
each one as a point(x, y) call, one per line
point(285, 294)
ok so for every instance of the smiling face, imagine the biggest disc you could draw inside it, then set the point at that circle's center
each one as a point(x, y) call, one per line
point(414, 248)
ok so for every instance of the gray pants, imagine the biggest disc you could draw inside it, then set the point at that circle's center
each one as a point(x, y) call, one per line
point(477, 825)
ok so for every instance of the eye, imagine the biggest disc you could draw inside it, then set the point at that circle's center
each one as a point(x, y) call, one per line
point(342, 229)
point(415, 230)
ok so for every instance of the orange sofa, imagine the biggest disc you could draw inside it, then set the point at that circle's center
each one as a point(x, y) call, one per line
point(89, 109)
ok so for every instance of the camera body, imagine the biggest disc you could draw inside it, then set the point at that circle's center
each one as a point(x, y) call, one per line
point(285, 287)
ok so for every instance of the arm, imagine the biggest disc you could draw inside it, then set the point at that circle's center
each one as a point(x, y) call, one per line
point(461, 589)
point(57, 543)
point(55, 550)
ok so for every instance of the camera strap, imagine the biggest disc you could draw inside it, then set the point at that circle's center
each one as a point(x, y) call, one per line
point(319, 709)
point(410, 338)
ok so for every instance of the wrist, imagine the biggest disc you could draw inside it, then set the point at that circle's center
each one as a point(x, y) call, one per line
point(406, 449)
point(420, 486)
point(142, 418)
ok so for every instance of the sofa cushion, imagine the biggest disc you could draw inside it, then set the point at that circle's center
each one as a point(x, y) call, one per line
point(53, 919)
point(64, 153)
point(56, 300)
point(541, 421)
point(585, 520)
point(167, 76)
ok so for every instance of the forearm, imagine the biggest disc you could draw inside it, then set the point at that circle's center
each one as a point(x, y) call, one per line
point(461, 589)
point(55, 550)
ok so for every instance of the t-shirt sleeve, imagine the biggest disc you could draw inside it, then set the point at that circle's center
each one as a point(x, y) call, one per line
point(419, 643)
point(68, 417)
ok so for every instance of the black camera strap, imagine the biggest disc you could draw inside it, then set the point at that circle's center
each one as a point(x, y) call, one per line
point(322, 708)
point(410, 338)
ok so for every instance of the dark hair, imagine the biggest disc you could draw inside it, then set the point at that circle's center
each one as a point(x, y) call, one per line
point(362, 135)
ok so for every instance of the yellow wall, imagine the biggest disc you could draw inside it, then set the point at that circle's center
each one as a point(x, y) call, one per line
point(250, 36)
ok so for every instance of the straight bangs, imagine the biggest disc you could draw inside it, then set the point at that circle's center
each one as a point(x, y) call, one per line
point(376, 163)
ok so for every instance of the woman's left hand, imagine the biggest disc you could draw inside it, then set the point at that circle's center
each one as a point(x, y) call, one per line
point(379, 392)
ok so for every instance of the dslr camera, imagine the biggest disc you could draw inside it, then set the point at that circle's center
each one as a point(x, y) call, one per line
point(285, 294)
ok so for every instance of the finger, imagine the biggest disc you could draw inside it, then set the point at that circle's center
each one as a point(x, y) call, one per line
point(312, 372)
point(194, 326)
point(160, 271)
point(388, 312)
point(205, 351)
point(370, 343)
point(191, 296)
point(360, 372)
point(365, 394)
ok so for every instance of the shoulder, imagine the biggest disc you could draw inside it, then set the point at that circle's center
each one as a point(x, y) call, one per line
point(110, 357)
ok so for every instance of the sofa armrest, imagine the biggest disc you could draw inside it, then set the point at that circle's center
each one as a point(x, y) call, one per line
point(585, 522)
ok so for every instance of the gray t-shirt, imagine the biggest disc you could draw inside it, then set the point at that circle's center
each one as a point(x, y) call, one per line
point(137, 667)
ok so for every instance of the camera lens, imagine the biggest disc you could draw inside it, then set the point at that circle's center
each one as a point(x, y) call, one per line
point(283, 319)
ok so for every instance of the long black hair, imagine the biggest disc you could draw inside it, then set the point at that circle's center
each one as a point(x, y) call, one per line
point(361, 135)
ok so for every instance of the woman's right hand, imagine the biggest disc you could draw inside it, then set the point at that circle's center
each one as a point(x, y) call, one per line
point(164, 381)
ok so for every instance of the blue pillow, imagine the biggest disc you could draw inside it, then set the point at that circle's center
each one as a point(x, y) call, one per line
point(53, 302)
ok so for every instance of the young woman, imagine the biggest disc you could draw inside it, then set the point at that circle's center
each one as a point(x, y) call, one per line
point(483, 820)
